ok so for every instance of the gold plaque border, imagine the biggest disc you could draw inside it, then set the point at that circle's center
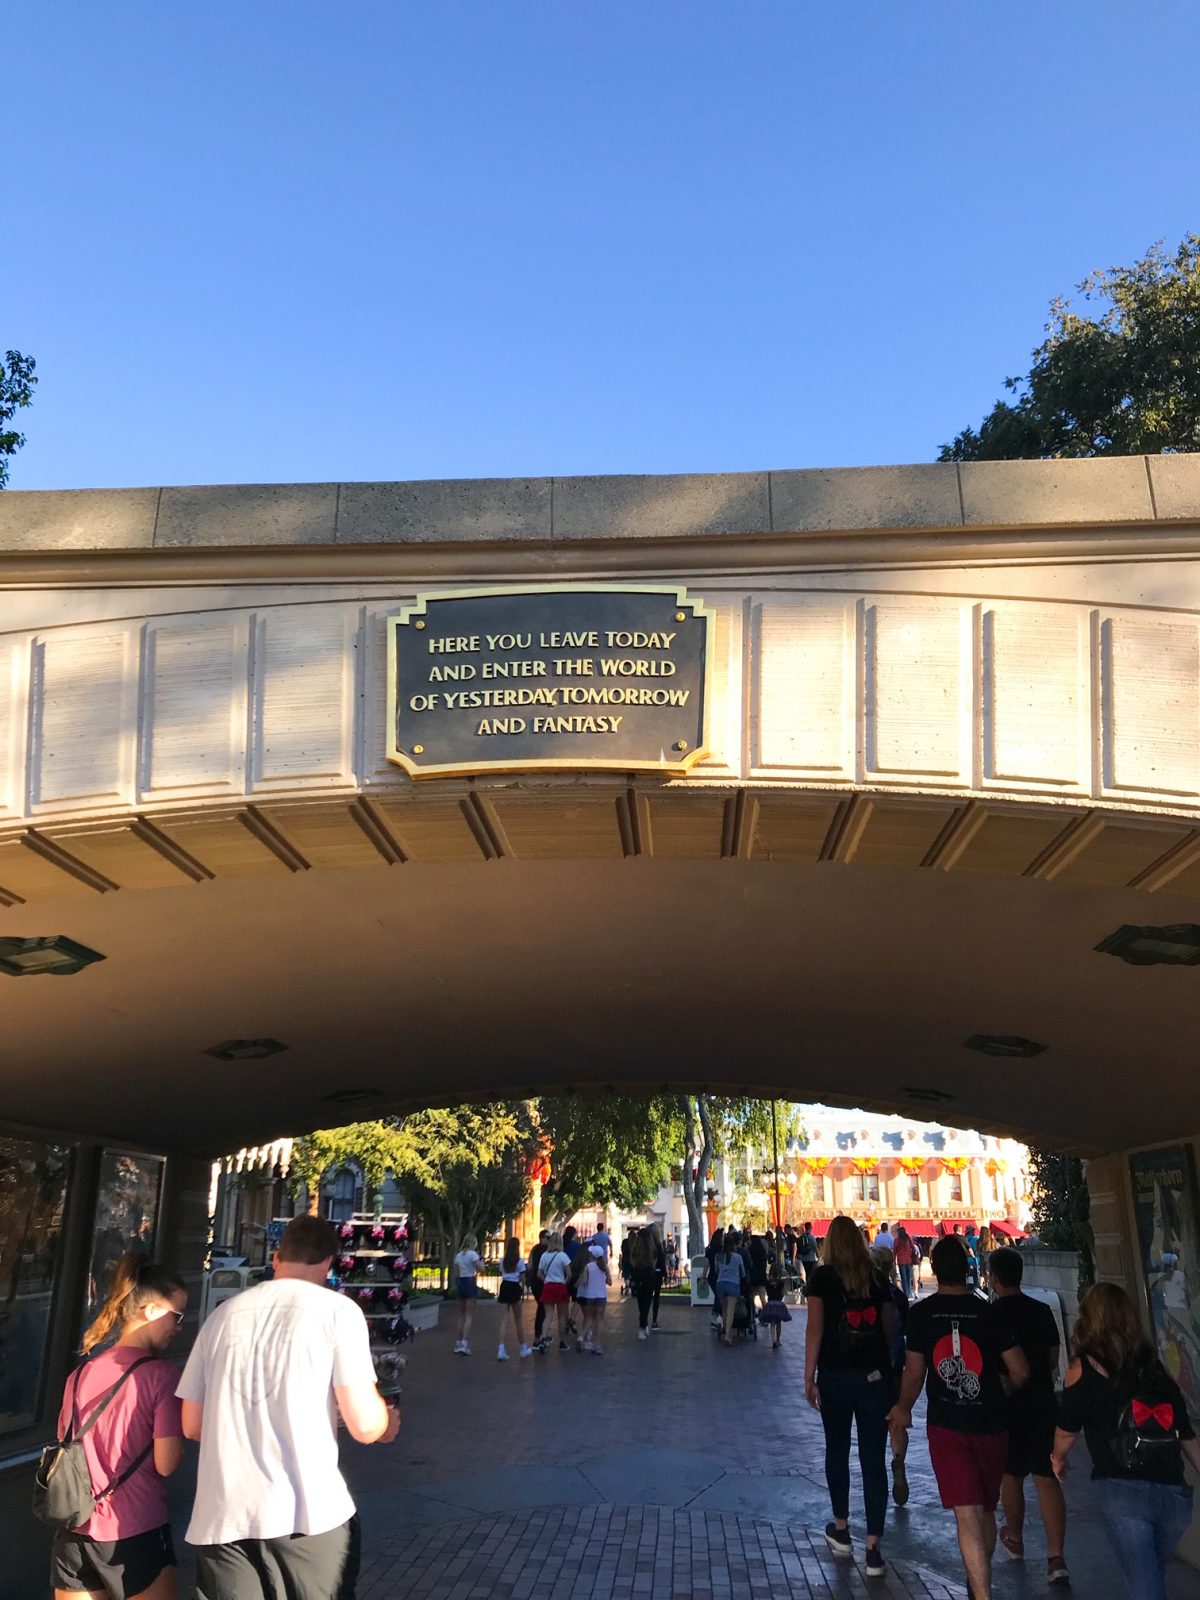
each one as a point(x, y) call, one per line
point(579, 764)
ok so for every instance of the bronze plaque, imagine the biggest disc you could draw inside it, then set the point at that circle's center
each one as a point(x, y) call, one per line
point(552, 678)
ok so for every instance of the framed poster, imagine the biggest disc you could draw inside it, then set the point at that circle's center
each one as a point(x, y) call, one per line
point(126, 1218)
point(1168, 1229)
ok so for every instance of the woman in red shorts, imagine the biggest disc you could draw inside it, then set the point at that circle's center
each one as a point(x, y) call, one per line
point(554, 1270)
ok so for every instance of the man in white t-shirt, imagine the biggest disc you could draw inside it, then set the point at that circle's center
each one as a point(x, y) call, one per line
point(262, 1390)
point(885, 1239)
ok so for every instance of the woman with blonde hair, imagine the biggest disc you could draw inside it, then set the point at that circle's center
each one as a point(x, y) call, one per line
point(466, 1279)
point(124, 1549)
point(848, 1377)
point(1134, 1418)
point(554, 1269)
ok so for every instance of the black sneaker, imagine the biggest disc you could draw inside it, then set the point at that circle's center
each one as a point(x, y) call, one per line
point(838, 1539)
point(875, 1566)
point(899, 1482)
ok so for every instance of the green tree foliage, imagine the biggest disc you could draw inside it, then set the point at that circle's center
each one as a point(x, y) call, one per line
point(466, 1168)
point(1124, 381)
point(377, 1147)
point(717, 1125)
point(16, 391)
point(610, 1149)
point(1060, 1206)
point(463, 1170)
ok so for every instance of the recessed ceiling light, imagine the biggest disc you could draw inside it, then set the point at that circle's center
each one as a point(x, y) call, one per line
point(245, 1049)
point(55, 956)
point(930, 1096)
point(346, 1097)
point(1011, 1045)
point(1174, 946)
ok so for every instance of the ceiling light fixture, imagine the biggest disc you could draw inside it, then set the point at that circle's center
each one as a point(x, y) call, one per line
point(929, 1096)
point(55, 956)
point(1175, 946)
point(1011, 1046)
point(245, 1049)
point(348, 1097)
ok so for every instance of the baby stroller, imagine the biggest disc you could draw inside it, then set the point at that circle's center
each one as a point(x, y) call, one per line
point(745, 1323)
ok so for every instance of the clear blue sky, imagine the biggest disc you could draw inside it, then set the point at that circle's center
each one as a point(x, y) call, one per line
point(276, 240)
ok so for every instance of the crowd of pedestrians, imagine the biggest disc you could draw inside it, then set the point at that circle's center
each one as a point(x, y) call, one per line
point(278, 1368)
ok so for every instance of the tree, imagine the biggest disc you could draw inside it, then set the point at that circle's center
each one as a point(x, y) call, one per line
point(466, 1169)
point(463, 1170)
point(609, 1149)
point(1060, 1206)
point(376, 1147)
point(16, 390)
point(1125, 381)
point(716, 1125)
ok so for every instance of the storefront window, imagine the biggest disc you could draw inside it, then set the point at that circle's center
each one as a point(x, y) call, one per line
point(33, 1192)
point(127, 1205)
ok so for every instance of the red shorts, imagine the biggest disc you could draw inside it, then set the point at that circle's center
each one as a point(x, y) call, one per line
point(968, 1466)
point(554, 1294)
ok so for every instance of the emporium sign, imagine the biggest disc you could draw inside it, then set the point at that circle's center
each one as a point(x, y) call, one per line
point(552, 678)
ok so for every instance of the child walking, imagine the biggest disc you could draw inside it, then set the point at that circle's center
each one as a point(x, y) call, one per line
point(775, 1313)
point(594, 1281)
point(512, 1273)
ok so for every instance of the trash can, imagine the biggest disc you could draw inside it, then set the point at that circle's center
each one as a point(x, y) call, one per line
point(702, 1295)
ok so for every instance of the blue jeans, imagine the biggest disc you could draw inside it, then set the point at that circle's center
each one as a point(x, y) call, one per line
point(1145, 1523)
point(906, 1277)
point(853, 1398)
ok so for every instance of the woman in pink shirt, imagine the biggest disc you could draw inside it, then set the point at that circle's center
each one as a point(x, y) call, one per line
point(124, 1550)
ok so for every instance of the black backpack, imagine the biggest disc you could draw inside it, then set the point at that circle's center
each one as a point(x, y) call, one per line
point(861, 1335)
point(63, 1495)
point(1146, 1443)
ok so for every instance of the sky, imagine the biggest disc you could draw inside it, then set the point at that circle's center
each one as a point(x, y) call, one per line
point(287, 241)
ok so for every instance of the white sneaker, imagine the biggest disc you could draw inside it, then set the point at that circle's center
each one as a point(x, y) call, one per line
point(525, 1351)
point(643, 1333)
point(458, 1347)
point(466, 1349)
point(502, 1354)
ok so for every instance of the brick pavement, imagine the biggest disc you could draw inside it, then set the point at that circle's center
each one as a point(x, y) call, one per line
point(627, 1553)
point(664, 1469)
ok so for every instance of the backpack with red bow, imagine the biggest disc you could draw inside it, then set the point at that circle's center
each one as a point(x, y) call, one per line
point(1147, 1438)
point(860, 1333)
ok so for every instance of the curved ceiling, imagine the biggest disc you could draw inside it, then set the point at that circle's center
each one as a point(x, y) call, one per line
point(819, 957)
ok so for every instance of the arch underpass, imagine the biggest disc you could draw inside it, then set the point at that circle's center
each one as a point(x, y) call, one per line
point(781, 967)
point(952, 746)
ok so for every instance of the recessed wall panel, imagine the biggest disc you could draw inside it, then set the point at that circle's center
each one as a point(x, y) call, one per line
point(725, 689)
point(374, 764)
point(194, 722)
point(14, 679)
point(803, 686)
point(304, 701)
point(916, 691)
point(82, 721)
point(1036, 704)
point(1151, 705)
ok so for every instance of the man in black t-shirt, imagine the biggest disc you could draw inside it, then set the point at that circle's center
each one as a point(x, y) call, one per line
point(1032, 1413)
point(531, 1277)
point(962, 1354)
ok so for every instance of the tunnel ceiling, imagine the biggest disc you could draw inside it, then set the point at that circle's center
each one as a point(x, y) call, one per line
point(439, 982)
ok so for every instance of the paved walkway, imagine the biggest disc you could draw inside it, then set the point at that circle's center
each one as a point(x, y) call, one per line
point(663, 1469)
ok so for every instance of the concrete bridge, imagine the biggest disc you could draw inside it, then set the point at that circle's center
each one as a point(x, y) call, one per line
point(953, 747)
